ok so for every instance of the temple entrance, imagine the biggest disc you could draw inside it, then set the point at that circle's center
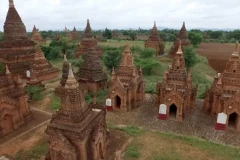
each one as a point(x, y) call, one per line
point(100, 150)
point(118, 102)
point(7, 124)
point(232, 120)
point(173, 111)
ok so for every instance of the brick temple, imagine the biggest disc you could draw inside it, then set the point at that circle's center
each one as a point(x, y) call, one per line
point(36, 36)
point(154, 41)
point(183, 36)
point(175, 90)
point(87, 42)
point(68, 33)
point(114, 34)
point(224, 94)
point(14, 109)
point(91, 73)
point(77, 130)
point(75, 34)
point(21, 53)
point(127, 86)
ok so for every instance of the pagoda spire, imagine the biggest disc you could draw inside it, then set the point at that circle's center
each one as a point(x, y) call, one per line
point(154, 23)
point(7, 71)
point(180, 48)
point(235, 52)
point(71, 81)
point(11, 3)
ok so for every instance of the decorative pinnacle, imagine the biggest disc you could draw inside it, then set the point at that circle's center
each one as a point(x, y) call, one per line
point(65, 57)
point(19, 81)
point(11, 3)
point(235, 52)
point(140, 69)
point(7, 71)
point(113, 71)
point(70, 74)
point(180, 47)
point(127, 46)
point(154, 23)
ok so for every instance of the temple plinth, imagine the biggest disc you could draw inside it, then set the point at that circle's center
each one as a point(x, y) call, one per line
point(183, 37)
point(154, 41)
point(87, 42)
point(91, 73)
point(14, 108)
point(224, 94)
point(77, 130)
point(127, 86)
point(20, 52)
point(37, 37)
point(175, 90)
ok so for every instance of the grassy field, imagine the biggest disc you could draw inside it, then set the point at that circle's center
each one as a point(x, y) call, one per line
point(148, 145)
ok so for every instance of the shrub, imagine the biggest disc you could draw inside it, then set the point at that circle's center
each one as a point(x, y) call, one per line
point(55, 103)
point(132, 152)
point(34, 93)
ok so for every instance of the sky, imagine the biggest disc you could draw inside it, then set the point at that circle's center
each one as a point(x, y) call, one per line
point(125, 14)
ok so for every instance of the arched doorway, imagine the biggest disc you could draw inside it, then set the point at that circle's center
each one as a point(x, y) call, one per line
point(232, 120)
point(100, 150)
point(118, 102)
point(173, 111)
point(7, 124)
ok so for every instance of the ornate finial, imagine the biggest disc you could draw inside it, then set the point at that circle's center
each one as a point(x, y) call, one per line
point(154, 23)
point(19, 80)
point(180, 47)
point(7, 71)
point(70, 74)
point(127, 46)
point(11, 3)
point(113, 71)
point(183, 23)
point(65, 58)
point(140, 69)
point(235, 52)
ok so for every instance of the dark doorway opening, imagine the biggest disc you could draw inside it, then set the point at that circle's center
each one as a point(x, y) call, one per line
point(173, 111)
point(232, 120)
point(118, 102)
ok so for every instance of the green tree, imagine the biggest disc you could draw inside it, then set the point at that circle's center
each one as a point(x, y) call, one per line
point(190, 57)
point(146, 64)
point(107, 33)
point(132, 35)
point(1, 35)
point(112, 59)
point(147, 53)
point(195, 38)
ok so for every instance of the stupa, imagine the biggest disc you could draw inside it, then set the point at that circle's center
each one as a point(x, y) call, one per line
point(14, 109)
point(224, 95)
point(127, 86)
point(20, 52)
point(87, 42)
point(175, 90)
point(154, 41)
point(77, 130)
point(183, 37)
point(37, 37)
point(75, 35)
point(91, 72)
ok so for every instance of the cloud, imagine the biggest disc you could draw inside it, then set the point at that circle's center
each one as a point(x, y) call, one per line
point(56, 14)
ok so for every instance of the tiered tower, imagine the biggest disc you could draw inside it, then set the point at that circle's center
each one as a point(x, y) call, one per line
point(76, 131)
point(175, 90)
point(37, 37)
point(183, 37)
point(75, 35)
point(14, 108)
point(19, 52)
point(127, 86)
point(91, 72)
point(87, 42)
point(154, 41)
point(224, 94)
